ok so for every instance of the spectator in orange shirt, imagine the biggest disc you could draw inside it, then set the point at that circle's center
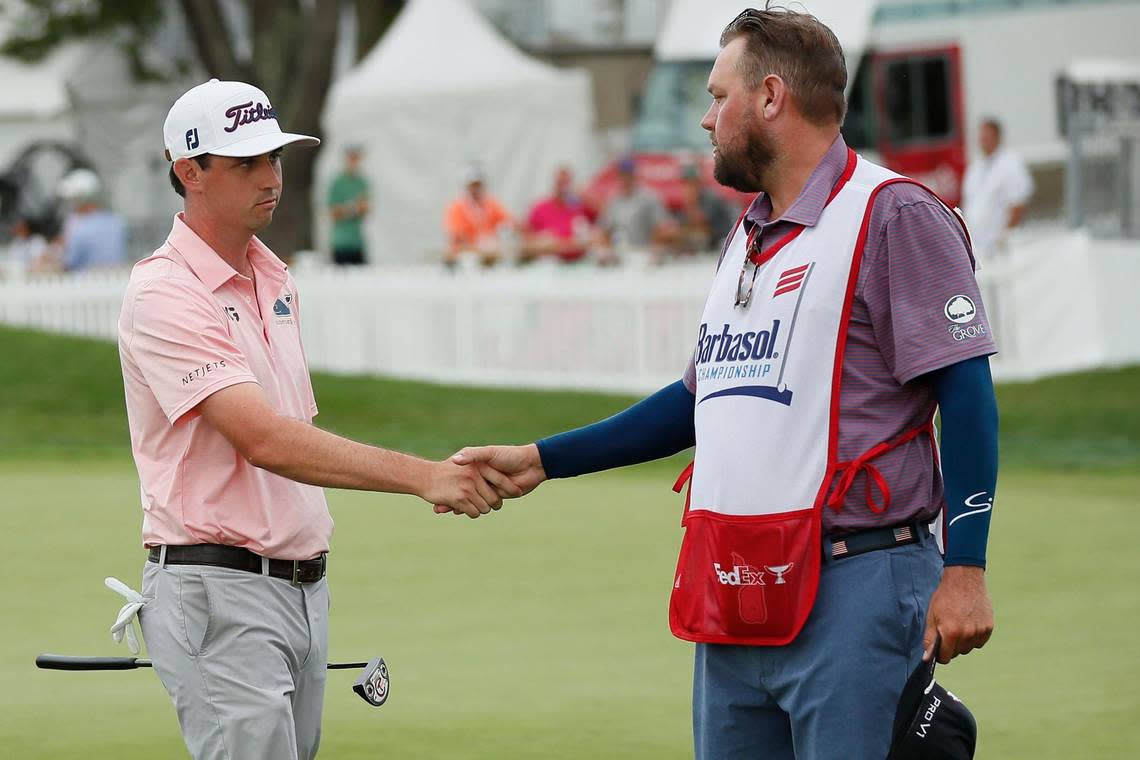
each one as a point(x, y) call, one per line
point(473, 221)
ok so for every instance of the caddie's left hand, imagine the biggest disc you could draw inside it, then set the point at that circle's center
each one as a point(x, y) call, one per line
point(960, 611)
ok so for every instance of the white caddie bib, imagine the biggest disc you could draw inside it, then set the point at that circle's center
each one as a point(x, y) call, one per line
point(767, 407)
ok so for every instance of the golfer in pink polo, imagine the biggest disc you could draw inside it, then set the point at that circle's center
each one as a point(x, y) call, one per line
point(230, 465)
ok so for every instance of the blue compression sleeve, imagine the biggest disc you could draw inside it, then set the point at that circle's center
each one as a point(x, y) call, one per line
point(654, 427)
point(969, 447)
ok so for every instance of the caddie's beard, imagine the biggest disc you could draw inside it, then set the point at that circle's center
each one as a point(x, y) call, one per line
point(745, 169)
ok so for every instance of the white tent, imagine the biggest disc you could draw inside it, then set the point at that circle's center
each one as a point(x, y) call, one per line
point(36, 105)
point(443, 90)
point(84, 95)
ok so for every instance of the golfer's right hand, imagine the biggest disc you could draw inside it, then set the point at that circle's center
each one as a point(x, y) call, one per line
point(513, 470)
point(461, 489)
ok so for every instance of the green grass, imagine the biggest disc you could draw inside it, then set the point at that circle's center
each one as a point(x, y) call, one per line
point(1089, 420)
point(541, 632)
point(63, 399)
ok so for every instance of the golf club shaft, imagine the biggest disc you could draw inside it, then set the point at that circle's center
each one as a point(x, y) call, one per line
point(67, 662)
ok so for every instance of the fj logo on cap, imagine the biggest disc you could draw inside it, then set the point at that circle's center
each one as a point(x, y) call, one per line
point(192, 141)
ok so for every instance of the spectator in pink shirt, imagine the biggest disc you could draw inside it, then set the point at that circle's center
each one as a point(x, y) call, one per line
point(560, 225)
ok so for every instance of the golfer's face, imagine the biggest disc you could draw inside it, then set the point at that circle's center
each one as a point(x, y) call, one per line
point(243, 192)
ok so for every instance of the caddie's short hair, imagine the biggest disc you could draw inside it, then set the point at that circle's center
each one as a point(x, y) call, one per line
point(798, 48)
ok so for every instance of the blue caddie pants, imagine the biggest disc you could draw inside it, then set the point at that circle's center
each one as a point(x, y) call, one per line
point(831, 694)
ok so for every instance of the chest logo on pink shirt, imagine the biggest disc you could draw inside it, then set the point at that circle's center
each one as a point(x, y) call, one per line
point(282, 309)
point(232, 313)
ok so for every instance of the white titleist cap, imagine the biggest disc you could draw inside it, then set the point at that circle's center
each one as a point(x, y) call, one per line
point(226, 119)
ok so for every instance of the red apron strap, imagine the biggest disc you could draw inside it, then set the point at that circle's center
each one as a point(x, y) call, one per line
point(848, 471)
point(685, 478)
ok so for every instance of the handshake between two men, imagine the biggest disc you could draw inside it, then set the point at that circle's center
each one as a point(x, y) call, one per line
point(477, 479)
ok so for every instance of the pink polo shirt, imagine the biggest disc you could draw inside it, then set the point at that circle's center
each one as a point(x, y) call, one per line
point(191, 326)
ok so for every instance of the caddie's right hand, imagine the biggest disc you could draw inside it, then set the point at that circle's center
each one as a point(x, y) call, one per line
point(513, 470)
point(459, 488)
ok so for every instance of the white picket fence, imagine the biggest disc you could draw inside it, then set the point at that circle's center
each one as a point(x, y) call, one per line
point(619, 330)
point(1062, 303)
point(600, 329)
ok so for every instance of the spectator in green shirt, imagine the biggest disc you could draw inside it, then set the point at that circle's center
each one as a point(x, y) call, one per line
point(348, 204)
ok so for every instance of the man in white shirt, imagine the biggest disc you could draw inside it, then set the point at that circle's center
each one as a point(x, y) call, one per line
point(995, 190)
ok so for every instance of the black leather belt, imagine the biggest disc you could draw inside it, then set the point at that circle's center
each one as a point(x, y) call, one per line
point(236, 558)
point(865, 541)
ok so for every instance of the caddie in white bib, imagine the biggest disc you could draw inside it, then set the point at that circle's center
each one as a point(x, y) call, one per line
point(768, 370)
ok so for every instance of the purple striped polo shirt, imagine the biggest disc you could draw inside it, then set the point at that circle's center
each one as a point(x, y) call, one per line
point(916, 264)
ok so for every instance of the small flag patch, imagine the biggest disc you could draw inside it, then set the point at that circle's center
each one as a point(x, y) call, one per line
point(791, 280)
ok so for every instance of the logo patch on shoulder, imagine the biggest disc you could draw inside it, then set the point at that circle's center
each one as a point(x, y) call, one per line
point(960, 309)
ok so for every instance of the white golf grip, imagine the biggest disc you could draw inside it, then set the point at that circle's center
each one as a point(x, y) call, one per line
point(122, 626)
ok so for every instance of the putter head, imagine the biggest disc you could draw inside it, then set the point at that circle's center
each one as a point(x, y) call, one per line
point(372, 685)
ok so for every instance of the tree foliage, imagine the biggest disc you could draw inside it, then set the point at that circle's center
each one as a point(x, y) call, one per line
point(285, 47)
point(41, 25)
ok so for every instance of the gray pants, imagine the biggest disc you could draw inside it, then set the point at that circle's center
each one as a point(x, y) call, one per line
point(242, 657)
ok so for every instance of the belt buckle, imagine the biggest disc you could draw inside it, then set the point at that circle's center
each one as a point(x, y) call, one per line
point(296, 580)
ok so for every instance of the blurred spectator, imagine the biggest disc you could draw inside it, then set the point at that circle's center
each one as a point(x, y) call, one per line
point(634, 217)
point(559, 225)
point(94, 237)
point(29, 251)
point(348, 205)
point(994, 192)
point(474, 221)
point(705, 218)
